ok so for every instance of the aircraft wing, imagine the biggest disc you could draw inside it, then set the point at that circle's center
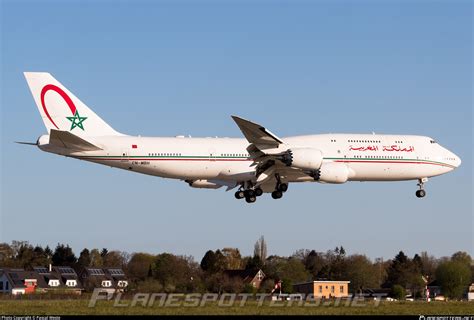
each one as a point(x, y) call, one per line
point(265, 148)
point(256, 134)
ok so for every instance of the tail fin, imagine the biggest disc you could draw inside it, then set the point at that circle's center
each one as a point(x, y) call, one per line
point(62, 110)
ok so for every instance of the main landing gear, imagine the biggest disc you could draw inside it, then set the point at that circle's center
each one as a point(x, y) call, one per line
point(421, 192)
point(278, 193)
point(280, 188)
point(250, 194)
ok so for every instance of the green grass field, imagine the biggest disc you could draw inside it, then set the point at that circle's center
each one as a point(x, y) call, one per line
point(80, 307)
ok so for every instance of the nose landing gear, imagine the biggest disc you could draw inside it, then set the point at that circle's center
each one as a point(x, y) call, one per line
point(421, 192)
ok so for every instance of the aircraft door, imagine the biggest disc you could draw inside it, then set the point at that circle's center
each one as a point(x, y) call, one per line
point(212, 154)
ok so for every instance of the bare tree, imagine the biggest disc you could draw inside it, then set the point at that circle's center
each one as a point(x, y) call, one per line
point(260, 249)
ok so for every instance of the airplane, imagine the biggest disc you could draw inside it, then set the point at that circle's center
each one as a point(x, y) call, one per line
point(259, 163)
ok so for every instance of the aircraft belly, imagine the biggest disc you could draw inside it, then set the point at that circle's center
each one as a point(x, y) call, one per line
point(237, 171)
point(208, 169)
point(116, 164)
point(392, 171)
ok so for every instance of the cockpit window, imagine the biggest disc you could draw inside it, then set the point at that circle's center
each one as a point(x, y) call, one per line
point(433, 141)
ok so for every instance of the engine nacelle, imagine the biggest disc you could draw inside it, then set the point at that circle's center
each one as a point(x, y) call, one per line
point(303, 158)
point(332, 172)
point(203, 184)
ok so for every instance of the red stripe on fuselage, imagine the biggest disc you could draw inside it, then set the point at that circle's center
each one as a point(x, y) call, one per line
point(174, 159)
point(207, 159)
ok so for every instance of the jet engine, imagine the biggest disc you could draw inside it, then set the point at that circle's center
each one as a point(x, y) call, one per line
point(331, 172)
point(303, 158)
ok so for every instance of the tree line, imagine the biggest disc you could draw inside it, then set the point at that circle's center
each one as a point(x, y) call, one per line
point(166, 272)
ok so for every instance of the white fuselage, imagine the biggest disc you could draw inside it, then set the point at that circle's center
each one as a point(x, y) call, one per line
point(262, 162)
point(369, 157)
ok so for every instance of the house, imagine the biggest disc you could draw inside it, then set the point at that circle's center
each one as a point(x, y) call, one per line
point(19, 281)
point(253, 277)
point(470, 292)
point(51, 279)
point(434, 289)
point(61, 277)
point(40, 279)
point(69, 278)
point(109, 279)
point(323, 288)
point(118, 277)
point(96, 278)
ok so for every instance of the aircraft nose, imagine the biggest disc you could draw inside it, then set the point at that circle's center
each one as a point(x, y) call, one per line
point(457, 160)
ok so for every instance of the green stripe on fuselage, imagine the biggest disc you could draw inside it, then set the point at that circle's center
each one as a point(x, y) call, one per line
point(225, 157)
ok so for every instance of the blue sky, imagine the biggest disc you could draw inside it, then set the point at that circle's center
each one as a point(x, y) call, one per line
point(163, 68)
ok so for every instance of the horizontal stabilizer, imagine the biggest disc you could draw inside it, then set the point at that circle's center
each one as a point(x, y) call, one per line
point(65, 139)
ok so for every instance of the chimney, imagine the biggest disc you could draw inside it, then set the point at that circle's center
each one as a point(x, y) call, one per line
point(50, 267)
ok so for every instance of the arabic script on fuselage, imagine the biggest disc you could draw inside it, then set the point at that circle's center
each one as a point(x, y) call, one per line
point(394, 147)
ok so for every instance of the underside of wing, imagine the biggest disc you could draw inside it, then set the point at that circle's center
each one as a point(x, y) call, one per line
point(268, 181)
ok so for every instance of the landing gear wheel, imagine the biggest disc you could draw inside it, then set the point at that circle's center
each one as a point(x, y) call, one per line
point(249, 193)
point(283, 187)
point(239, 194)
point(421, 183)
point(277, 194)
point(251, 199)
point(420, 193)
point(258, 192)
